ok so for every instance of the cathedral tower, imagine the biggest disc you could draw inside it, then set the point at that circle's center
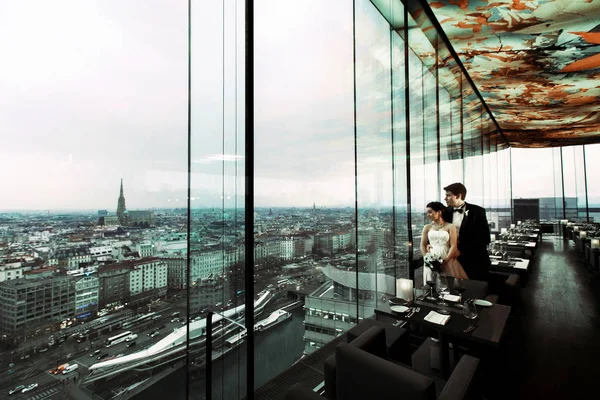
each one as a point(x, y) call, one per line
point(121, 205)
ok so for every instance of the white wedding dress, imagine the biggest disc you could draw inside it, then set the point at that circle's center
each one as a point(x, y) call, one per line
point(440, 246)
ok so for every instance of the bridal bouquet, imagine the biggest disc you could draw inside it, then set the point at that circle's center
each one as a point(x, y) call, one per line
point(434, 262)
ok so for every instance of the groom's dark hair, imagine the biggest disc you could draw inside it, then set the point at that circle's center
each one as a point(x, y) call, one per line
point(456, 189)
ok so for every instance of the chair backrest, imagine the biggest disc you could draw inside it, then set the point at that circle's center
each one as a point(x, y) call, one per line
point(372, 341)
point(361, 375)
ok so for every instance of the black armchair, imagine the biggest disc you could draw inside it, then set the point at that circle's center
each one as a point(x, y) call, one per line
point(372, 341)
point(360, 370)
point(362, 375)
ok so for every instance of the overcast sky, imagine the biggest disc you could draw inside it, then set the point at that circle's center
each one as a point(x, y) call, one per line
point(92, 92)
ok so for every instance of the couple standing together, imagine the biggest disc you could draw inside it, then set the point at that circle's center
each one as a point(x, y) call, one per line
point(459, 234)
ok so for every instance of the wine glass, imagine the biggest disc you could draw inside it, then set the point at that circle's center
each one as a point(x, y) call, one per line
point(504, 253)
point(431, 283)
point(441, 283)
point(459, 286)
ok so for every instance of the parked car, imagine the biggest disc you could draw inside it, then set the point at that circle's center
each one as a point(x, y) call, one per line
point(155, 333)
point(16, 390)
point(29, 387)
point(101, 356)
point(95, 353)
point(130, 344)
point(43, 350)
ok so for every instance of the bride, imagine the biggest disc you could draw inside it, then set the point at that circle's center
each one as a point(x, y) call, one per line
point(440, 238)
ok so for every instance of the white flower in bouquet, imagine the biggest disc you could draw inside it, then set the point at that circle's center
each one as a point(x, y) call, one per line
point(433, 261)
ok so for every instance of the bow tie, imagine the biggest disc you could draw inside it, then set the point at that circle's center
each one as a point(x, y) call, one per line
point(460, 210)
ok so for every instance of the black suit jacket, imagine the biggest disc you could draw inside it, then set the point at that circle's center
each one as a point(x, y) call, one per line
point(473, 238)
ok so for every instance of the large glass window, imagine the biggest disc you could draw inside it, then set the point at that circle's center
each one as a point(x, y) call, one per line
point(360, 118)
point(592, 160)
point(216, 244)
point(532, 182)
point(580, 183)
point(374, 162)
point(570, 182)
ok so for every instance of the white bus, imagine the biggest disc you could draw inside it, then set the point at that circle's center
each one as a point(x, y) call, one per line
point(70, 368)
point(121, 337)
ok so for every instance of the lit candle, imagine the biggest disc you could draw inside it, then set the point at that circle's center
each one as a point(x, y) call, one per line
point(582, 235)
point(512, 226)
point(503, 231)
point(576, 228)
point(569, 224)
point(493, 237)
point(404, 289)
point(595, 243)
point(518, 222)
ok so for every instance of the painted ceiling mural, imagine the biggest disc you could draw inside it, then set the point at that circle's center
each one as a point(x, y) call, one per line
point(536, 63)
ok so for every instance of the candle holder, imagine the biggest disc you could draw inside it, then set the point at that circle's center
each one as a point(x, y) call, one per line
point(595, 244)
point(404, 289)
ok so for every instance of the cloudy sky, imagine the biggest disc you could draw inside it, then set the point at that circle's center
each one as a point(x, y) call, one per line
point(92, 92)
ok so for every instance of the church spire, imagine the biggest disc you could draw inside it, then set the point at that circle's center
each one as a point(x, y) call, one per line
point(121, 205)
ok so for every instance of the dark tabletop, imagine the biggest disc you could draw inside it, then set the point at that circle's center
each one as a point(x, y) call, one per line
point(491, 321)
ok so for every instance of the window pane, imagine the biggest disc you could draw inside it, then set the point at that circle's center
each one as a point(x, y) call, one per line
point(570, 182)
point(216, 253)
point(592, 159)
point(374, 157)
point(305, 179)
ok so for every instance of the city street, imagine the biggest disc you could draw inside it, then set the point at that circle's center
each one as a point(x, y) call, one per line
point(35, 369)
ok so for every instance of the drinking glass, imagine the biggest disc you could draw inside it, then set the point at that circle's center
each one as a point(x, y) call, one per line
point(459, 286)
point(420, 293)
point(431, 283)
point(441, 285)
point(504, 252)
point(469, 309)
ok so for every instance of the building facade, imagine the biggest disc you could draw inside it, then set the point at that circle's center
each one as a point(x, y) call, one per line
point(29, 305)
point(87, 293)
point(176, 271)
point(113, 284)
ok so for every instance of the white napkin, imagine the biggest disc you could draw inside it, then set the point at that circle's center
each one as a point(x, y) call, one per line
point(452, 297)
point(436, 318)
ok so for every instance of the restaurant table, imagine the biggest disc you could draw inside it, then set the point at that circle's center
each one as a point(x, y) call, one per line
point(491, 324)
point(513, 265)
point(527, 247)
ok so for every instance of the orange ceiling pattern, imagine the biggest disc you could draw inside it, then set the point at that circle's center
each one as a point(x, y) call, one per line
point(536, 63)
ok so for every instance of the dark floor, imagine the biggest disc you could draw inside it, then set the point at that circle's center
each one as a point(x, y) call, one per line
point(552, 350)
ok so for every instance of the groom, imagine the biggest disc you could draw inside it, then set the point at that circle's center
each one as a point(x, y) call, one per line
point(473, 232)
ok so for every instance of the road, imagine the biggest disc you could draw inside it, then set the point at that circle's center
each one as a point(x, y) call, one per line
point(50, 385)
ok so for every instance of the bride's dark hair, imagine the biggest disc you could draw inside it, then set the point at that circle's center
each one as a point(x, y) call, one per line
point(436, 206)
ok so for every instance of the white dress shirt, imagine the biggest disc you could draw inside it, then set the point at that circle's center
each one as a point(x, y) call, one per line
point(457, 217)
